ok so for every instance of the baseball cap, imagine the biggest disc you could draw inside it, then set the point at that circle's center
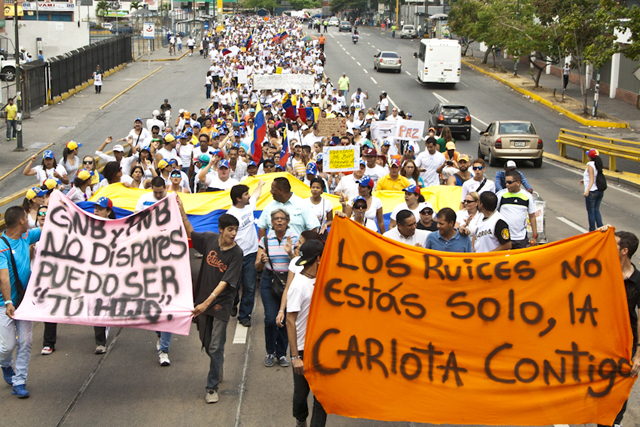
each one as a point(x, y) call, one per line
point(182, 136)
point(451, 145)
point(85, 174)
point(269, 161)
point(48, 155)
point(411, 148)
point(409, 115)
point(363, 163)
point(426, 210)
point(105, 202)
point(166, 100)
point(138, 120)
point(119, 148)
point(309, 251)
point(155, 113)
point(593, 153)
point(358, 199)
point(279, 168)
point(176, 172)
point(145, 148)
point(172, 161)
point(312, 169)
point(251, 163)
point(432, 129)
point(196, 125)
point(463, 157)
point(204, 159)
point(72, 145)
point(252, 110)
point(367, 182)
point(412, 189)
point(224, 163)
point(394, 163)
point(35, 192)
point(510, 165)
point(304, 127)
point(386, 142)
point(370, 152)
point(162, 164)
point(169, 138)
point(51, 183)
point(319, 158)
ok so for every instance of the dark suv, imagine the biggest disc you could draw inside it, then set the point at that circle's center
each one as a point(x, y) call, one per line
point(455, 117)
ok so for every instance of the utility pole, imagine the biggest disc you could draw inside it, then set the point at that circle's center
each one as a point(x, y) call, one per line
point(515, 63)
point(19, 147)
point(596, 93)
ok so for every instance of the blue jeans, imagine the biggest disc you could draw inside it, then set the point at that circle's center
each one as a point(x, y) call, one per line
point(208, 86)
point(165, 340)
point(215, 351)
point(276, 339)
point(593, 201)
point(9, 328)
point(344, 92)
point(382, 116)
point(249, 276)
point(12, 124)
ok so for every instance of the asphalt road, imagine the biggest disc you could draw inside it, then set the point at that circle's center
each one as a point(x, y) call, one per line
point(127, 386)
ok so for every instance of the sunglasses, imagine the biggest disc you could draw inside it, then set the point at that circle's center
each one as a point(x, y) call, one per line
point(90, 162)
point(468, 201)
point(360, 207)
point(42, 214)
point(510, 182)
point(477, 168)
point(176, 175)
point(429, 212)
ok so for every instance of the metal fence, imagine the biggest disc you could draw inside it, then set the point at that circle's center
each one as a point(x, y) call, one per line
point(76, 67)
point(34, 86)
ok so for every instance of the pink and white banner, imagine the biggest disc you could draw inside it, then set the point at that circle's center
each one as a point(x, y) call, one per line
point(131, 272)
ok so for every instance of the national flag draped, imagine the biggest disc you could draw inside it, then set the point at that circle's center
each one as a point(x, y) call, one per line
point(302, 112)
point(283, 35)
point(289, 108)
point(284, 152)
point(309, 113)
point(237, 109)
point(259, 132)
point(225, 52)
point(247, 43)
point(276, 38)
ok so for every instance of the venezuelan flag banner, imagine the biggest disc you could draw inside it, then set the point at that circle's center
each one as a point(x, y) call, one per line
point(204, 209)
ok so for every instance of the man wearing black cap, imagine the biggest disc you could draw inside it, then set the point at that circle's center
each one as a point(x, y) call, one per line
point(298, 303)
point(165, 106)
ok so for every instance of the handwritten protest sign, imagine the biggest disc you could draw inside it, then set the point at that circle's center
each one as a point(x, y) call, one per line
point(382, 129)
point(335, 126)
point(409, 129)
point(529, 337)
point(340, 159)
point(242, 77)
point(283, 81)
point(131, 272)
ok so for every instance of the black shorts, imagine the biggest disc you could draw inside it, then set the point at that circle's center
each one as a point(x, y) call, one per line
point(216, 79)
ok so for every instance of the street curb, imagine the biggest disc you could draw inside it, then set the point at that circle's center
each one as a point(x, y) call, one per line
point(627, 177)
point(171, 59)
point(130, 87)
point(569, 114)
point(83, 86)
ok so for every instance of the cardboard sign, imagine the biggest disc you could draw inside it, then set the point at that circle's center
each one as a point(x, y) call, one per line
point(242, 77)
point(341, 158)
point(335, 126)
point(283, 81)
point(382, 130)
point(132, 272)
point(536, 336)
point(409, 130)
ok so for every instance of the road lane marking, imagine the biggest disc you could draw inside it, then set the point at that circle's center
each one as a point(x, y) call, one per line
point(353, 58)
point(464, 84)
point(374, 80)
point(391, 101)
point(572, 224)
point(475, 118)
point(344, 49)
point(476, 129)
point(373, 46)
point(440, 98)
point(358, 63)
point(240, 336)
point(408, 72)
point(365, 71)
point(369, 43)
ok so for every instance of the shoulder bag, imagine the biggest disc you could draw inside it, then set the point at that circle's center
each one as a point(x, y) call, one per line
point(278, 280)
point(18, 283)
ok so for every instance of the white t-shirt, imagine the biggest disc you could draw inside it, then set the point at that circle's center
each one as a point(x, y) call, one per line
point(430, 162)
point(373, 209)
point(416, 211)
point(384, 104)
point(375, 173)
point(471, 185)
point(461, 218)
point(516, 208)
point(124, 179)
point(213, 181)
point(76, 195)
point(348, 186)
point(247, 237)
point(186, 154)
point(145, 201)
point(420, 237)
point(43, 174)
point(585, 177)
point(321, 210)
point(299, 301)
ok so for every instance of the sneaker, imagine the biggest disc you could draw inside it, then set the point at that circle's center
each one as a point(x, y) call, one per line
point(234, 311)
point(302, 423)
point(20, 391)
point(46, 350)
point(164, 359)
point(158, 345)
point(8, 139)
point(245, 322)
point(282, 360)
point(8, 374)
point(101, 349)
point(211, 396)
point(270, 360)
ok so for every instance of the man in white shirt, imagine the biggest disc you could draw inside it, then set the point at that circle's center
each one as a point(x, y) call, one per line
point(348, 185)
point(516, 206)
point(299, 298)
point(219, 181)
point(247, 238)
point(478, 183)
point(383, 106)
point(428, 162)
point(406, 232)
point(168, 151)
point(312, 137)
point(373, 171)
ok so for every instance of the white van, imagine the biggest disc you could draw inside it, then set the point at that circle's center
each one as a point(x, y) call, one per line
point(439, 61)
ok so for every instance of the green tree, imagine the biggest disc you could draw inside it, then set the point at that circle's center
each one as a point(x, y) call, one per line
point(135, 5)
point(463, 20)
point(102, 8)
point(358, 5)
point(305, 4)
point(270, 5)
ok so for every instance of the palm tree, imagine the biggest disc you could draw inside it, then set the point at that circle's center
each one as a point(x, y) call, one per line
point(135, 5)
point(102, 8)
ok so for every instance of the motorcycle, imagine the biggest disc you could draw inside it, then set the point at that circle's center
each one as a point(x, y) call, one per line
point(354, 38)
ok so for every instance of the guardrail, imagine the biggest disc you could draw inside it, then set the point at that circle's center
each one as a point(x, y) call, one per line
point(611, 147)
point(100, 164)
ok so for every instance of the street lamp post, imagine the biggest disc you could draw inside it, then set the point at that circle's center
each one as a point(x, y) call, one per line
point(515, 63)
point(596, 94)
point(19, 146)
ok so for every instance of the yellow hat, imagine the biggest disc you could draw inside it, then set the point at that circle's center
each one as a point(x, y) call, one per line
point(169, 138)
point(72, 145)
point(84, 175)
point(34, 192)
point(162, 164)
point(50, 183)
point(451, 145)
point(463, 157)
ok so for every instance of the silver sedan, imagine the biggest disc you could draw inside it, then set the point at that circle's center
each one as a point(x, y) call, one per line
point(387, 61)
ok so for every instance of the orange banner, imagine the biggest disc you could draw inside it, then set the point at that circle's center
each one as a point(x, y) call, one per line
point(530, 337)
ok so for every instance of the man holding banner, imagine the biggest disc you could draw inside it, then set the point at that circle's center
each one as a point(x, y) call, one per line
point(15, 271)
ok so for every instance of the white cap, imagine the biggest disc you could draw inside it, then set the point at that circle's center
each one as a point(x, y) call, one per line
point(304, 127)
point(155, 113)
point(118, 147)
point(510, 164)
point(180, 111)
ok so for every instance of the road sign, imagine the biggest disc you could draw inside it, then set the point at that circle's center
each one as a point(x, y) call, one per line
point(148, 30)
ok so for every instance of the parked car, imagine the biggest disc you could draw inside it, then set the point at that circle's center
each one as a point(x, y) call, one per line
point(511, 140)
point(107, 25)
point(122, 29)
point(409, 31)
point(345, 26)
point(455, 117)
point(334, 22)
point(8, 69)
point(387, 61)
